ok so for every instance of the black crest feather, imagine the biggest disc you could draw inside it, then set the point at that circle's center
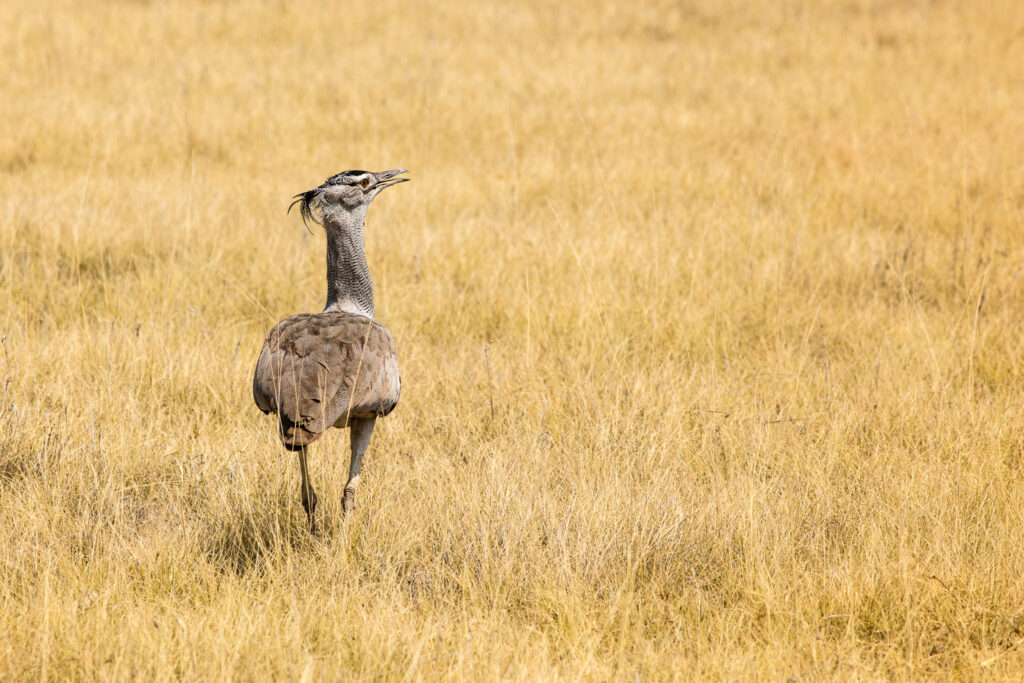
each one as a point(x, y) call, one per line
point(305, 202)
point(339, 178)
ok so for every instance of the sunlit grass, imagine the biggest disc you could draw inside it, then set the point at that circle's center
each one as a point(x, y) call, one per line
point(708, 316)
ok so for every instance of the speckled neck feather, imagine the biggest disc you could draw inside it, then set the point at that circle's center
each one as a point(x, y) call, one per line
point(349, 286)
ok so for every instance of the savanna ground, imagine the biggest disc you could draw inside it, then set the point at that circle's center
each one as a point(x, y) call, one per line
point(709, 320)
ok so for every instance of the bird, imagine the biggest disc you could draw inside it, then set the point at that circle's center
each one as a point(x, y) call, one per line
point(339, 367)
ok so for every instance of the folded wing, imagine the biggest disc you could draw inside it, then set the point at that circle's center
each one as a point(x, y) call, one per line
point(318, 370)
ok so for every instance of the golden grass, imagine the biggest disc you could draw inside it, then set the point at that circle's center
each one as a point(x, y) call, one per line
point(709, 319)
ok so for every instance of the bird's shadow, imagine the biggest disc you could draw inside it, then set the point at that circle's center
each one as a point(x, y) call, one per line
point(249, 541)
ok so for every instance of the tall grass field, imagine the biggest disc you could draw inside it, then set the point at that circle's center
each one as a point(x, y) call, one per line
point(710, 318)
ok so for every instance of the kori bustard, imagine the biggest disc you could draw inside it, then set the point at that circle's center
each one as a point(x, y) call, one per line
point(337, 368)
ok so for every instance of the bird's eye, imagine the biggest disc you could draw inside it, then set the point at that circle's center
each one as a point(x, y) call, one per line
point(364, 183)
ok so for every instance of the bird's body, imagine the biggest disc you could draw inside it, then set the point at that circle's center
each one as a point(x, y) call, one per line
point(321, 370)
point(340, 367)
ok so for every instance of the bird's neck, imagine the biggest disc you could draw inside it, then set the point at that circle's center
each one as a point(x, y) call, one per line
point(349, 287)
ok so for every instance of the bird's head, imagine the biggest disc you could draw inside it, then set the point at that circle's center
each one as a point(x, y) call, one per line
point(349, 192)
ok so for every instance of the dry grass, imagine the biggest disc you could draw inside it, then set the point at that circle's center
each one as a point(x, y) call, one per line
point(709, 316)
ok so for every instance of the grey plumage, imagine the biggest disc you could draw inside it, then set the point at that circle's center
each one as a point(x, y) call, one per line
point(339, 367)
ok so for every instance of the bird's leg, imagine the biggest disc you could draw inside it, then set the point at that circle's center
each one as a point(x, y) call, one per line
point(308, 495)
point(359, 436)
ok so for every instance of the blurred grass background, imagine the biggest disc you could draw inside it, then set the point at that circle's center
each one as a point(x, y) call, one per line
point(707, 313)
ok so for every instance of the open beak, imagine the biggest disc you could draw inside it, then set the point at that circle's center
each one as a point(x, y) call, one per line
point(385, 178)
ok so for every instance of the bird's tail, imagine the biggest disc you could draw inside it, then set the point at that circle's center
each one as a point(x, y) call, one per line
point(295, 436)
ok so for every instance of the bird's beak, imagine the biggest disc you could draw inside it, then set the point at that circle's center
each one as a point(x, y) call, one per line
point(385, 178)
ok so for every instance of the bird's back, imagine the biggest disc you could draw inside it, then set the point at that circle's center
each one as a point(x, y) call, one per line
point(319, 369)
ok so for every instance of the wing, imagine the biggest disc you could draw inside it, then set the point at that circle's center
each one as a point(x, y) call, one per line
point(317, 370)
